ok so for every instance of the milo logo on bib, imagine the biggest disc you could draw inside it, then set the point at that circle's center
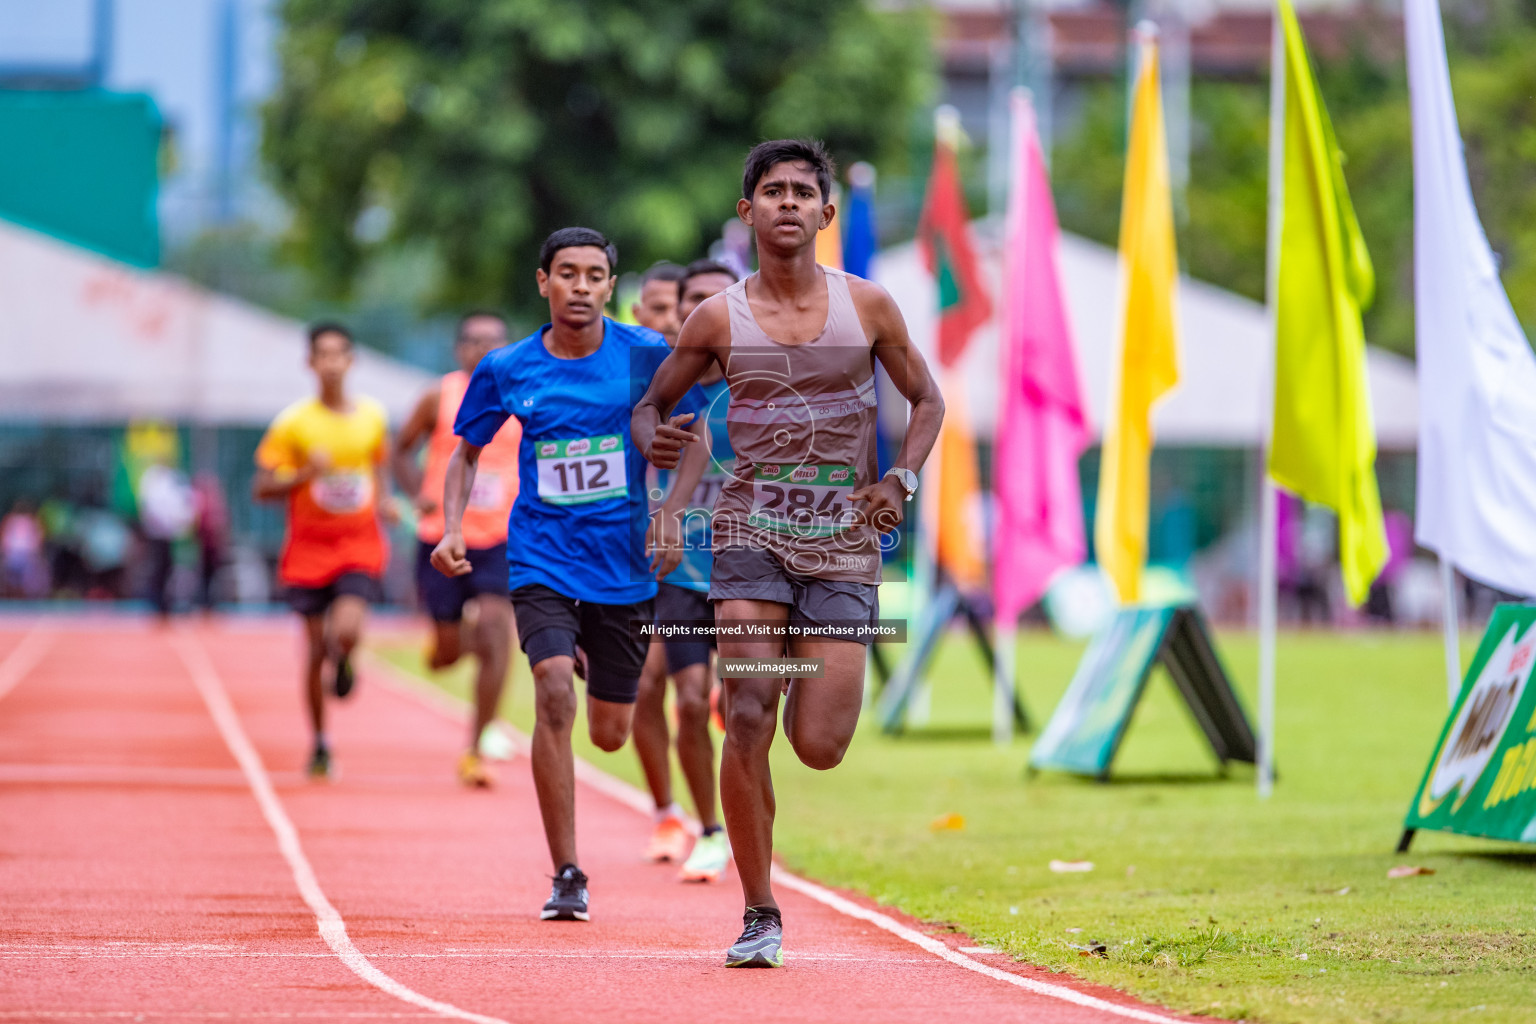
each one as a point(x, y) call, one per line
point(805, 501)
point(548, 448)
point(609, 444)
point(579, 447)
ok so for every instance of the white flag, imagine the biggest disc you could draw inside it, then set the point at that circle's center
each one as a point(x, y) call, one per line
point(1477, 374)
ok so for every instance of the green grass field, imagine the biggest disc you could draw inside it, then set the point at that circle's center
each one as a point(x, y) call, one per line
point(1207, 900)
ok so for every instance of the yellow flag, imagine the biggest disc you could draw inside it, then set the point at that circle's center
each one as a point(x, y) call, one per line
point(1323, 446)
point(1149, 358)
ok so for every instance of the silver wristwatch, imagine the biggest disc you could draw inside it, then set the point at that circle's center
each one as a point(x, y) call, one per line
point(906, 478)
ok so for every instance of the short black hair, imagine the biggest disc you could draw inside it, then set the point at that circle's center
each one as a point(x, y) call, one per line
point(572, 238)
point(662, 270)
point(328, 327)
point(765, 155)
point(475, 314)
point(698, 268)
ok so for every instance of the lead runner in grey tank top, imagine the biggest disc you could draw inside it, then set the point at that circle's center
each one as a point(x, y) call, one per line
point(802, 425)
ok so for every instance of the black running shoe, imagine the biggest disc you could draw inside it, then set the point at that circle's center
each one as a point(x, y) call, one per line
point(320, 764)
point(567, 897)
point(343, 680)
point(761, 942)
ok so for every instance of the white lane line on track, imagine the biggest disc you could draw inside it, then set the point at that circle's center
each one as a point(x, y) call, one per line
point(624, 793)
point(691, 956)
point(24, 658)
point(332, 928)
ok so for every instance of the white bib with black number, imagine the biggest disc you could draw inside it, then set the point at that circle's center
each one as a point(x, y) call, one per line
point(581, 469)
point(805, 501)
point(342, 493)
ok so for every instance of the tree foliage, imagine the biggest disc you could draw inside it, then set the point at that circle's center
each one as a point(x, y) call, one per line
point(478, 126)
point(1222, 238)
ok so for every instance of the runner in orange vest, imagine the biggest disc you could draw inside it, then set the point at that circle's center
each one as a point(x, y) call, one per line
point(490, 627)
point(325, 457)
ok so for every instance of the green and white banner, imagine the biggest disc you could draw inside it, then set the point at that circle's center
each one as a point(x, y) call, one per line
point(1482, 778)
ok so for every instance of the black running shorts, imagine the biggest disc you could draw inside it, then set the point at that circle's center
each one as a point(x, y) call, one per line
point(680, 604)
point(551, 625)
point(312, 601)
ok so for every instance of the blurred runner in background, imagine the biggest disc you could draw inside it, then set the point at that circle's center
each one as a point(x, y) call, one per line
point(657, 304)
point(482, 592)
point(325, 456)
point(684, 597)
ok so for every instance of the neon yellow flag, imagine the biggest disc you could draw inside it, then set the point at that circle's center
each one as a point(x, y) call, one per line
point(1149, 358)
point(1323, 447)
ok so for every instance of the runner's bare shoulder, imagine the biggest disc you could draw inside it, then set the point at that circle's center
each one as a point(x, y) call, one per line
point(878, 312)
point(708, 326)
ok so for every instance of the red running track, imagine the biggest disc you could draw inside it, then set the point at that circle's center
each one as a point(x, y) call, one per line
point(162, 858)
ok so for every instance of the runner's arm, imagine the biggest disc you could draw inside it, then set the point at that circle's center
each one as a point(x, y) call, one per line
point(662, 443)
point(389, 513)
point(663, 538)
point(274, 485)
point(450, 557)
point(418, 426)
point(909, 371)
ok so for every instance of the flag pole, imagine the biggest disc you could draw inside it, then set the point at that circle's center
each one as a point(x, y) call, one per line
point(1268, 517)
point(1004, 629)
point(1452, 631)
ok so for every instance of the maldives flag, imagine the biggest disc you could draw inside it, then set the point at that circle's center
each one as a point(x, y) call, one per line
point(945, 237)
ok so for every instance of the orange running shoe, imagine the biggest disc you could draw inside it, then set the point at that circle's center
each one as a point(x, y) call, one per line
point(669, 842)
point(715, 717)
point(474, 772)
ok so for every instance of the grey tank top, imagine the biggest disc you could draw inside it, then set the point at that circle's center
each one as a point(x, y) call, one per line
point(802, 426)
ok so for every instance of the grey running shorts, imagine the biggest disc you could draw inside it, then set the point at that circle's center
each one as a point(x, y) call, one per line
point(756, 575)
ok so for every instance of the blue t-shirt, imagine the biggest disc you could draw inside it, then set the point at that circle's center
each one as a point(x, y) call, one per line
point(578, 524)
point(692, 572)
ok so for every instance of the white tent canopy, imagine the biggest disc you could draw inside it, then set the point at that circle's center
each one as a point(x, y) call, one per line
point(88, 340)
point(1224, 340)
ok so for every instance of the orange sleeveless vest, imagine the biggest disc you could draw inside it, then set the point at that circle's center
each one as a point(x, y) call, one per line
point(495, 488)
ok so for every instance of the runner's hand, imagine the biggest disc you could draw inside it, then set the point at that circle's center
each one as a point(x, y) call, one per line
point(668, 442)
point(389, 512)
point(663, 542)
point(449, 557)
point(885, 503)
point(425, 506)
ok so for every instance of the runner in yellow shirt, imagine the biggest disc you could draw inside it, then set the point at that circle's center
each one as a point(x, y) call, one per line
point(325, 457)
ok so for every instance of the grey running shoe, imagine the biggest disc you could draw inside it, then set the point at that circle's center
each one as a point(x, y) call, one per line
point(761, 940)
point(567, 897)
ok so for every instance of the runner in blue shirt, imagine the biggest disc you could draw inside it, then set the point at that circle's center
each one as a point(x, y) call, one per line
point(683, 598)
point(578, 573)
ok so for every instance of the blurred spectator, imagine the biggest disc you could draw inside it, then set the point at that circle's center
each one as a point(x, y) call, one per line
point(1378, 603)
point(25, 573)
point(63, 544)
point(166, 512)
point(212, 528)
point(103, 538)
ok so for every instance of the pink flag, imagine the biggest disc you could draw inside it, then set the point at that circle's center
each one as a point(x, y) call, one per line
point(1042, 424)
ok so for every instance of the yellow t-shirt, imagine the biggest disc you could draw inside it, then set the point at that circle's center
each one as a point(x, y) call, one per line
point(333, 526)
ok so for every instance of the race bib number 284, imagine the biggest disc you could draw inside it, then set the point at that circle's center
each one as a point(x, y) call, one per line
point(581, 469)
point(806, 501)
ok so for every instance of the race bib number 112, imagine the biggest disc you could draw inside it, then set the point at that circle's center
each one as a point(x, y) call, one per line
point(581, 469)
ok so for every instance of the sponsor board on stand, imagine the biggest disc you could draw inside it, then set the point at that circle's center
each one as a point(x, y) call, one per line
point(1481, 780)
